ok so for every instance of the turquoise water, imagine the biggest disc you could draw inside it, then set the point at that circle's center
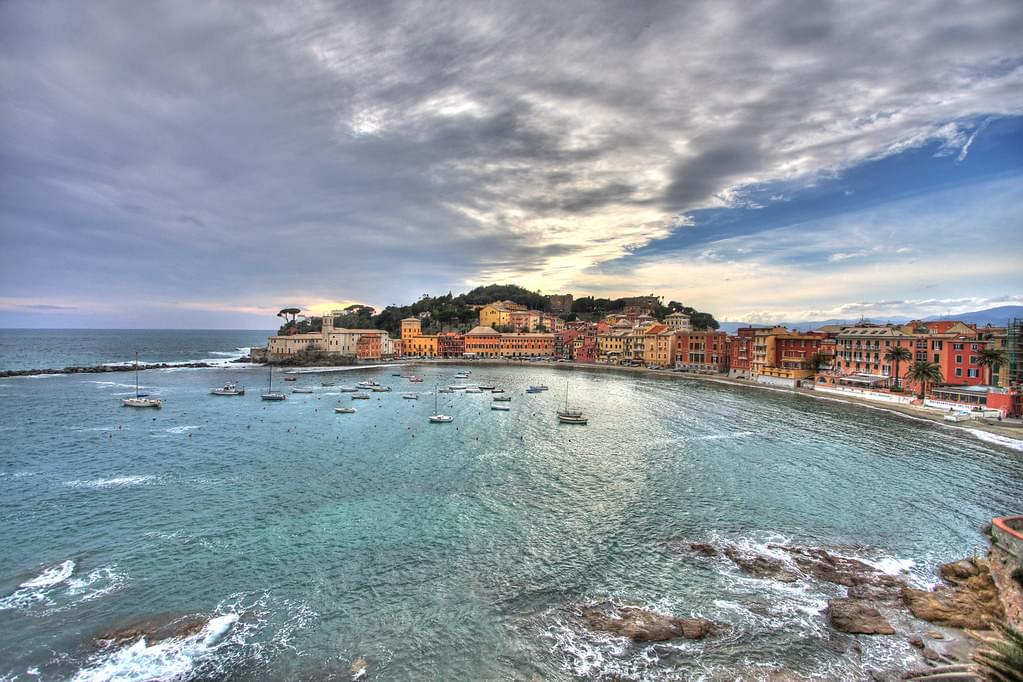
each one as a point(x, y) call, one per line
point(58, 348)
point(310, 539)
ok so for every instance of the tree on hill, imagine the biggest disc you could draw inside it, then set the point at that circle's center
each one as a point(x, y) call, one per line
point(504, 292)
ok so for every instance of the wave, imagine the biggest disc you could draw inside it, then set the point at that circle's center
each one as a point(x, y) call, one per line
point(52, 576)
point(58, 588)
point(119, 482)
point(727, 436)
point(182, 429)
point(173, 658)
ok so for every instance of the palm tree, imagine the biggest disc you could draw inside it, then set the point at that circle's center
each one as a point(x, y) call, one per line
point(897, 354)
point(924, 372)
point(1002, 660)
point(818, 361)
point(990, 358)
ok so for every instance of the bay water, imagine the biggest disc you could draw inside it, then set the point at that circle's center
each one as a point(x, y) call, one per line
point(313, 545)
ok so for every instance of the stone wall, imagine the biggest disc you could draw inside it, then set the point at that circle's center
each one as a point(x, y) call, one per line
point(1006, 562)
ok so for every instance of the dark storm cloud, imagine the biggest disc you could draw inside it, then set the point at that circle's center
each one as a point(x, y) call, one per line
point(161, 151)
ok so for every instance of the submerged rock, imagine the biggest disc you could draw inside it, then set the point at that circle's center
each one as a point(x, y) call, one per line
point(642, 625)
point(152, 630)
point(762, 566)
point(704, 548)
point(857, 617)
point(971, 602)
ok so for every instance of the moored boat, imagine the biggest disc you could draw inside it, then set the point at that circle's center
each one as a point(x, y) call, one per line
point(437, 417)
point(569, 416)
point(410, 396)
point(301, 389)
point(291, 378)
point(473, 389)
point(345, 410)
point(381, 389)
point(228, 389)
point(502, 399)
point(360, 396)
point(271, 394)
point(140, 400)
point(500, 407)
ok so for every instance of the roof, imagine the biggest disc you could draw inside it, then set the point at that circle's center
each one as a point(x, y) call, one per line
point(656, 329)
point(480, 330)
point(873, 332)
point(968, 390)
point(677, 314)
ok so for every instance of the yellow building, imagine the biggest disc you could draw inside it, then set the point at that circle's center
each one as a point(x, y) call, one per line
point(410, 327)
point(420, 346)
point(611, 347)
point(499, 314)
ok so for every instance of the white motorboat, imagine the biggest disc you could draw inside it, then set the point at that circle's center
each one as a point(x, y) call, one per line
point(301, 389)
point(345, 410)
point(459, 387)
point(381, 389)
point(228, 389)
point(360, 396)
point(437, 417)
point(500, 407)
point(462, 375)
point(140, 400)
point(271, 394)
point(410, 396)
point(367, 384)
point(502, 399)
point(473, 389)
point(415, 380)
point(487, 387)
point(497, 390)
point(537, 388)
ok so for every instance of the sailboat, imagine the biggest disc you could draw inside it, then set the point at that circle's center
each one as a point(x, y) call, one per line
point(567, 416)
point(139, 400)
point(437, 417)
point(271, 394)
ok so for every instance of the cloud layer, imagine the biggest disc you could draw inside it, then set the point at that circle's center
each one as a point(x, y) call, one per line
point(255, 155)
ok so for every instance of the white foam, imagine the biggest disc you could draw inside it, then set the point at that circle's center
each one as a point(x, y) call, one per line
point(181, 429)
point(52, 576)
point(119, 482)
point(1005, 441)
point(727, 436)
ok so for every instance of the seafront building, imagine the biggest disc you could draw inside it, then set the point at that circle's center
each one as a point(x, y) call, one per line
point(850, 359)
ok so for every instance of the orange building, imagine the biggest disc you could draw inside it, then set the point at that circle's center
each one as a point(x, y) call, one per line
point(368, 347)
point(485, 342)
point(704, 351)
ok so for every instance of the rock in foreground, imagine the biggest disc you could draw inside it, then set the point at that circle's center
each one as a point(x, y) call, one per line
point(642, 625)
point(972, 601)
point(857, 617)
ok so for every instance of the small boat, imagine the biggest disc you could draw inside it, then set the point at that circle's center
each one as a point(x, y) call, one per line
point(537, 389)
point(381, 389)
point(228, 389)
point(367, 384)
point(326, 383)
point(415, 380)
point(360, 396)
point(497, 390)
point(567, 416)
point(437, 417)
point(445, 390)
point(345, 410)
point(140, 400)
point(500, 408)
point(459, 387)
point(396, 374)
point(291, 378)
point(271, 394)
point(502, 399)
point(301, 389)
point(473, 389)
point(486, 388)
point(462, 375)
point(349, 389)
point(533, 389)
point(410, 396)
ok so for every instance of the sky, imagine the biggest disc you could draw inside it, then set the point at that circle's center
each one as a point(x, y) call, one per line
point(202, 165)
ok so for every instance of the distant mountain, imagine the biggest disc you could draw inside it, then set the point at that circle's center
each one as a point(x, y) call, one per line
point(995, 316)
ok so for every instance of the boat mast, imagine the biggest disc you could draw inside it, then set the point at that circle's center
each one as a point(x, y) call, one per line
point(136, 375)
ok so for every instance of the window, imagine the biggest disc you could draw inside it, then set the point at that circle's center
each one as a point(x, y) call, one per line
point(973, 373)
point(957, 346)
point(959, 371)
point(973, 359)
point(973, 346)
point(937, 357)
point(959, 359)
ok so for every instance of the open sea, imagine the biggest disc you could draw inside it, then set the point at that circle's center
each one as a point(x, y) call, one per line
point(309, 545)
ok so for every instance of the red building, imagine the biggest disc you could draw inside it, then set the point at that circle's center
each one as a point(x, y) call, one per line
point(450, 345)
point(702, 351)
point(740, 353)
